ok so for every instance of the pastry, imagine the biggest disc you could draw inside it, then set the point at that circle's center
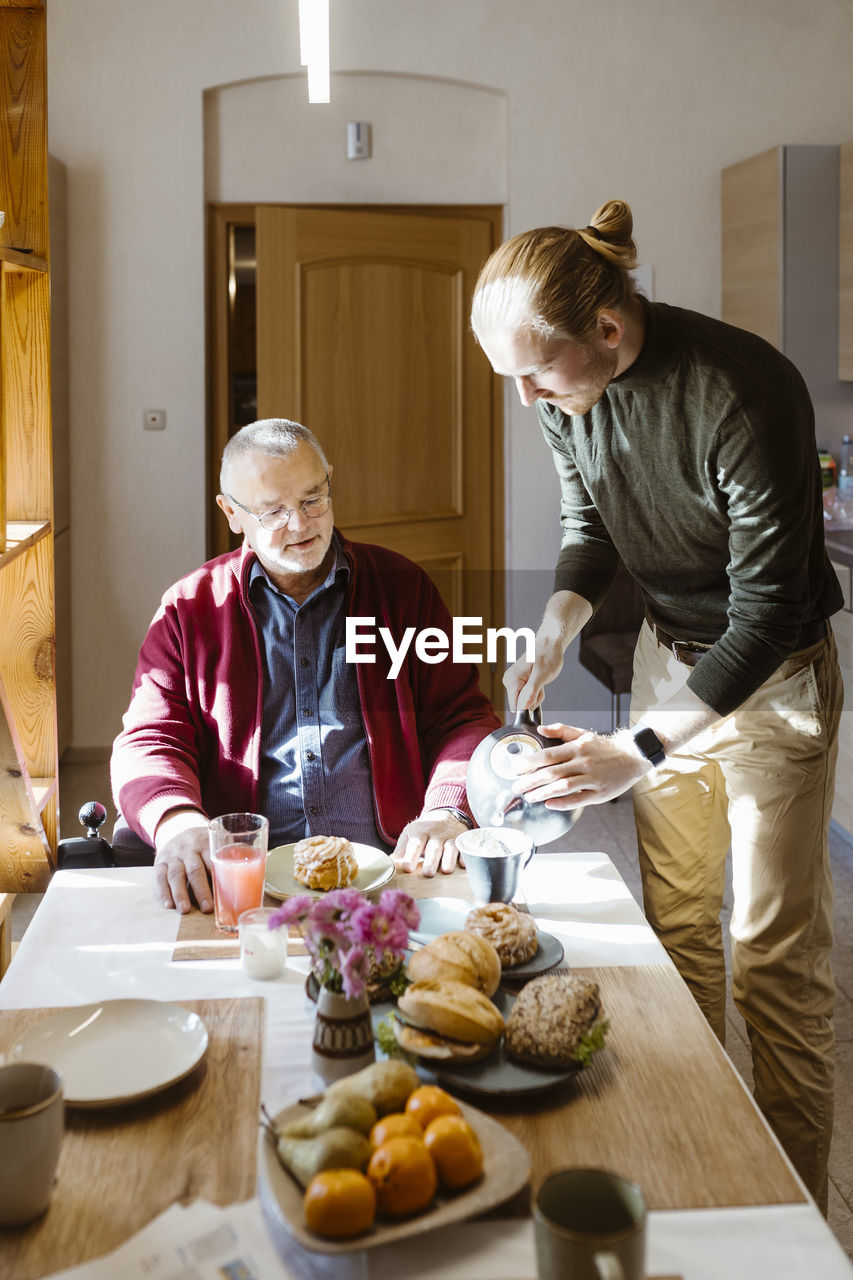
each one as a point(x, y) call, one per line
point(324, 862)
point(513, 934)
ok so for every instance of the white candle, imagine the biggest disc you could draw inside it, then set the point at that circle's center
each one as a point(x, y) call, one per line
point(263, 951)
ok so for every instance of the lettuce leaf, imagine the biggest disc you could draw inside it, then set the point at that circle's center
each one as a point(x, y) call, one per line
point(591, 1042)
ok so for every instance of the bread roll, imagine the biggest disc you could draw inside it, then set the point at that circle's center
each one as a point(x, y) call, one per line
point(458, 957)
point(548, 1019)
point(452, 1009)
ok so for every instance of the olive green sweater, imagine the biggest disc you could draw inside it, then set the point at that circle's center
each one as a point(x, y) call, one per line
point(698, 467)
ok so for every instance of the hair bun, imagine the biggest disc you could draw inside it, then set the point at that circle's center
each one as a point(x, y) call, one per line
point(610, 233)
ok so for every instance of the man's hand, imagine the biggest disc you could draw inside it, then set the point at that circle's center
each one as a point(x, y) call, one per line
point(586, 768)
point(565, 614)
point(182, 861)
point(525, 681)
point(430, 837)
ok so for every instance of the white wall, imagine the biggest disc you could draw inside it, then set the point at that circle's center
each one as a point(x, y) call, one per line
point(643, 99)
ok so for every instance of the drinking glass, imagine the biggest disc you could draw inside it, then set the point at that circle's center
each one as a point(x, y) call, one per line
point(238, 859)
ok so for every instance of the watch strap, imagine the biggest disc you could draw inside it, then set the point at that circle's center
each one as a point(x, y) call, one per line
point(649, 745)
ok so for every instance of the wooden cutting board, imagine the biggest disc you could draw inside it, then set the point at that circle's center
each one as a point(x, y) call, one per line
point(199, 939)
point(121, 1166)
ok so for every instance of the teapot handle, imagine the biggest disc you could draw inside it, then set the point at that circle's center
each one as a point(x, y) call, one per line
point(531, 717)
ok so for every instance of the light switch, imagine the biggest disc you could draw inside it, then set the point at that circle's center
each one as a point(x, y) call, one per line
point(154, 419)
point(358, 140)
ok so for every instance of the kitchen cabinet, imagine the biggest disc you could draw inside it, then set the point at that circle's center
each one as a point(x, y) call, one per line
point(845, 265)
point(780, 267)
point(29, 802)
point(780, 271)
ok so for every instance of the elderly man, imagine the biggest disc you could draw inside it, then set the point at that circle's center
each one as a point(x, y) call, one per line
point(686, 447)
point(244, 700)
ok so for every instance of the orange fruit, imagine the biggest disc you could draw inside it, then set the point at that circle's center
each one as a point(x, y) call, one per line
point(456, 1150)
point(396, 1125)
point(339, 1203)
point(403, 1176)
point(429, 1101)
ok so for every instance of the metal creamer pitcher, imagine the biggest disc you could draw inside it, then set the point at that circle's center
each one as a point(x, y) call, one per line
point(496, 763)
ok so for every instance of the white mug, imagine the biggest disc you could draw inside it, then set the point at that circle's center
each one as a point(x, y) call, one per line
point(590, 1224)
point(31, 1125)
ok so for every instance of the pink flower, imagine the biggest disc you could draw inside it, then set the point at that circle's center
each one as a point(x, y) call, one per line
point(397, 903)
point(344, 932)
point(376, 928)
point(354, 970)
point(292, 910)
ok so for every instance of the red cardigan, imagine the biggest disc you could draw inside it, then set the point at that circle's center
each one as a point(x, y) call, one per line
point(192, 732)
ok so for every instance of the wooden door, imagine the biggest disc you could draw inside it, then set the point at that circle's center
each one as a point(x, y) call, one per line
point(362, 334)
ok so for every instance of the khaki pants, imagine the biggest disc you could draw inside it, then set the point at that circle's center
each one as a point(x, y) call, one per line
point(761, 780)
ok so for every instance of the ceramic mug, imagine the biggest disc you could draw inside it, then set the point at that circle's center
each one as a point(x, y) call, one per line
point(494, 858)
point(31, 1125)
point(590, 1225)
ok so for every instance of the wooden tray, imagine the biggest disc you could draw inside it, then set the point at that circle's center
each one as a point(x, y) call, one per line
point(199, 939)
point(506, 1168)
point(120, 1167)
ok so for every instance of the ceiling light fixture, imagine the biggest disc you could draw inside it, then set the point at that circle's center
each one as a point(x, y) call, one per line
point(314, 47)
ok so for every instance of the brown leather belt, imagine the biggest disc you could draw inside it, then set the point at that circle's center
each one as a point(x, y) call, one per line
point(692, 651)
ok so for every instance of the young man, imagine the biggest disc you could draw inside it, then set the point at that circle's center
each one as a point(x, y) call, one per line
point(686, 448)
point(244, 700)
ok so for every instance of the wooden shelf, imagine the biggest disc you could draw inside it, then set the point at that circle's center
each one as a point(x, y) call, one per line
point(13, 259)
point(43, 790)
point(20, 535)
point(29, 798)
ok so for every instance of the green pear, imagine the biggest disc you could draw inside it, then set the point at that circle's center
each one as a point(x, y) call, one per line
point(341, 1108)
point(385, 1084)
point(338, 1148)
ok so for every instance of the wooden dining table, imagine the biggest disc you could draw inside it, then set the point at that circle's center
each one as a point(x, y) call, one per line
point(661, 1104)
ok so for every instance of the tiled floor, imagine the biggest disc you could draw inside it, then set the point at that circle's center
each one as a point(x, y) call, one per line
point(611, 827)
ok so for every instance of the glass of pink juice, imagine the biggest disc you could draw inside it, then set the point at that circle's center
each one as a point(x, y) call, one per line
point(238, 859)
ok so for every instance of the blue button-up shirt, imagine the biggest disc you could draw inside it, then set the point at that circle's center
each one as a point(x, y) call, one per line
point(315, 769)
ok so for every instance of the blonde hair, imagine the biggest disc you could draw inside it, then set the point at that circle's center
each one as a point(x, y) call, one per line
point(556, 280)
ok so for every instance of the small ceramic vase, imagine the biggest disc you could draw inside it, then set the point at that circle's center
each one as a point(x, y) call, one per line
point(343, 1035)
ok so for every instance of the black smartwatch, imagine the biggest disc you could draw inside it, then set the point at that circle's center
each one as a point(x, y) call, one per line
point(650, 746)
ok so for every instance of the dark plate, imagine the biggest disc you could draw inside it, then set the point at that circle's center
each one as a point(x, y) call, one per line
point(549, 954)
point(495, 1076)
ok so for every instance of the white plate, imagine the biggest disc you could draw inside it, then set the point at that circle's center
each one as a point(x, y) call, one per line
point(117, 1050)
point(506, 1168)
point(375, 869)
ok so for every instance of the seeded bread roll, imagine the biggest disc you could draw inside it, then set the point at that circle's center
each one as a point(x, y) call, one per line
point(548, 1019)
point(512, 934)
point(458, 956)
point(324, 862)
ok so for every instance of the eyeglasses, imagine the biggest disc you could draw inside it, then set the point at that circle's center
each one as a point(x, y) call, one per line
point(277, 519)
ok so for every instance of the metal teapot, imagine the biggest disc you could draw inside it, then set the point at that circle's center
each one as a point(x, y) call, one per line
point(496, 763)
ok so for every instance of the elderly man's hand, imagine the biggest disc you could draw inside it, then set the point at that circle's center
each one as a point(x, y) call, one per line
point(430, 837)
point(182, 860)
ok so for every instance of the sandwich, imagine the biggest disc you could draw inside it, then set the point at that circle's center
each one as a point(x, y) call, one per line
point(556, 1022)
point(447, 1021)
point(458, 956)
